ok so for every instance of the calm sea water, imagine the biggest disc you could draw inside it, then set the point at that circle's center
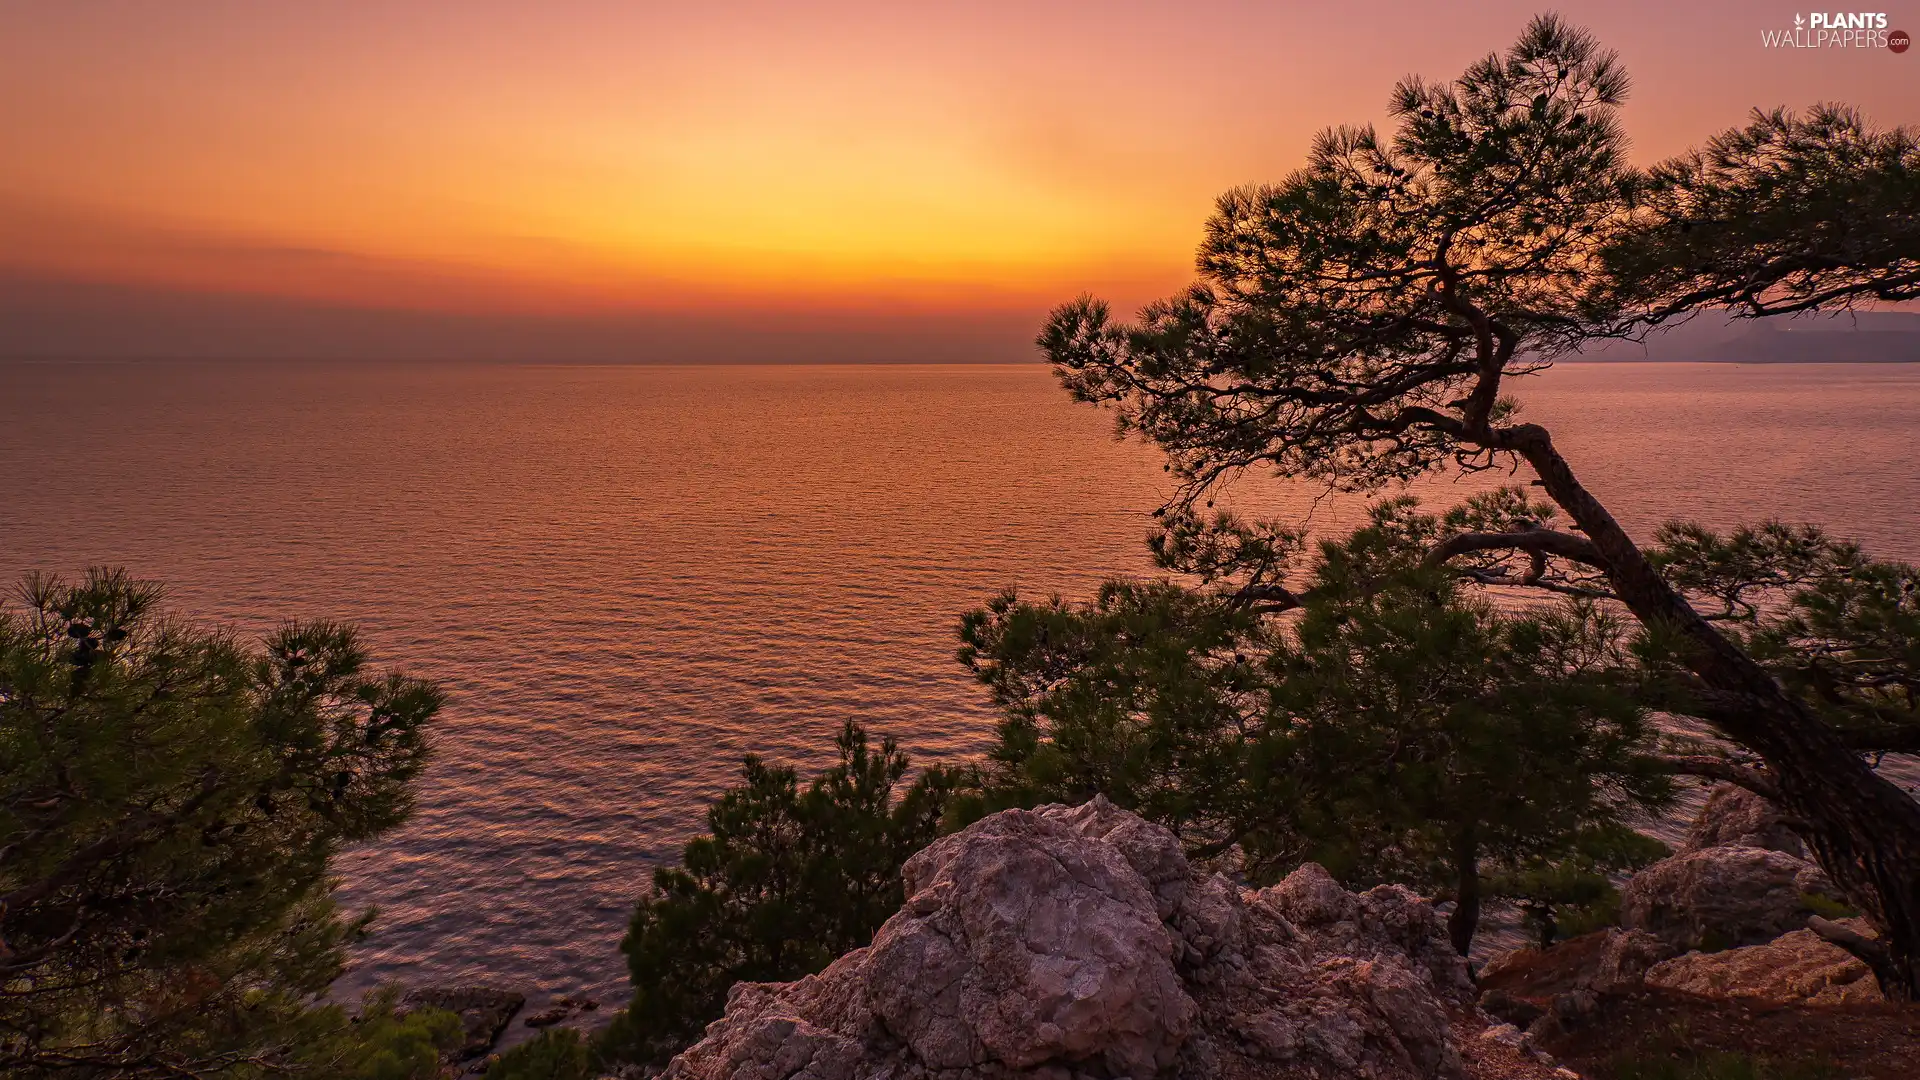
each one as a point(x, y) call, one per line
point(628, 577)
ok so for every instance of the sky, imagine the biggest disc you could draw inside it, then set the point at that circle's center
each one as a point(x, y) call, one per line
point(587, 180)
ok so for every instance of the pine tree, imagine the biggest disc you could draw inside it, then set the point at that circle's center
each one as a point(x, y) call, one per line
point(1389, 725)
point(786, 880)
point(1367, 320)
point(169, 802)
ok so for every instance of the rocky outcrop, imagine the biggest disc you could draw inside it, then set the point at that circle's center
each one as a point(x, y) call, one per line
point(483, 1013)
point(1069, 943)
point(1799, 968)
point(1019, 949)
point(1722, 897)
point(1736, 817)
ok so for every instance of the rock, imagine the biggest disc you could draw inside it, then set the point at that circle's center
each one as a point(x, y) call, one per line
point(1722, 897)
point(1073, 942)
point(1574, 1007)
point(1502, 1056)
point(1153, 852)
point(1026, 940)
point(561, 1008)
point(1565, 1013)
point(1800, 968)
point(1600, 962)
point(1736, 817)
point(1505, 1035)
point(483, 1011)
point(1509, 1009)
point(1625, 956)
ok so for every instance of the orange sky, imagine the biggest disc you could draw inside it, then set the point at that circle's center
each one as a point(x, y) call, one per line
point(823, 163)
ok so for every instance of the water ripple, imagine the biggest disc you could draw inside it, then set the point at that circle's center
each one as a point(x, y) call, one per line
point(629, 577)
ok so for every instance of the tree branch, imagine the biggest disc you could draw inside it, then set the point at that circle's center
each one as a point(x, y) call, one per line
point(1536, 541)
point(1888, 738)
point(1718, 768)
point(115, 844)
point(1870, 951)
point(1268, 597)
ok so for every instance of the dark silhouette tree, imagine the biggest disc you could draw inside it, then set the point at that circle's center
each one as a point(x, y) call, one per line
point(1360, 323)
point(1791, 213)
point(169, 803)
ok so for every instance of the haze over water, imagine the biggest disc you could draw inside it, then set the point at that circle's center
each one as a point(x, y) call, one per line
point(627, 577)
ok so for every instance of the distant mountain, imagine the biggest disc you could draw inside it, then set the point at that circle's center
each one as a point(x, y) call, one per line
point(1861, 337)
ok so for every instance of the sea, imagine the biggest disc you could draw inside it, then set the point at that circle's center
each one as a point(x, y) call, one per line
point(628, 577)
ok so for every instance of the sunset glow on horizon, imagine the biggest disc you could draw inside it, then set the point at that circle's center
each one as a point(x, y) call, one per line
point(601, 159)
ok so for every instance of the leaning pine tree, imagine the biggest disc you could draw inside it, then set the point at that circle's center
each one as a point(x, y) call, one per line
point(1357, 325)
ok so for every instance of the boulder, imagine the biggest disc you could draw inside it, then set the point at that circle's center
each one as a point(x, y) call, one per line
point(483, 1011)
point(1624, 957)
point(1075, 942)
point(1722, 897)
point(1736, 817)
point(1512, 1010)
point(1024, 943)
point(1800, 968)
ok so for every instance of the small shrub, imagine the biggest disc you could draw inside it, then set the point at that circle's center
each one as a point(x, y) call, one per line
point(384, 1045)
point(1826, 906)
point(555, 1054)
point(788, 877)
point(1599, 915)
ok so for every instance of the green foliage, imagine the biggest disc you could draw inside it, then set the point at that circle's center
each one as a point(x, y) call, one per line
point(1793, 211)
point(1841, 631)
point(382, 1044)
point(1826, 906)
point(787, 879)
point(1359, 324)
point(169, 802)
point(554, 1054)
point(1573, 894)
point(1346, 315)
point(1138, 696)
point(1395, 728)
point(1552, 923)
point(1849, 644)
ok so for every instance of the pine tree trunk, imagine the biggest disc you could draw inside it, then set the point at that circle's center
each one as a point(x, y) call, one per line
point(1466, 893)
point(1864, 831)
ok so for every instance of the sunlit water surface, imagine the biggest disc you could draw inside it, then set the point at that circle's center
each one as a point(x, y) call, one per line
point(628, 577)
